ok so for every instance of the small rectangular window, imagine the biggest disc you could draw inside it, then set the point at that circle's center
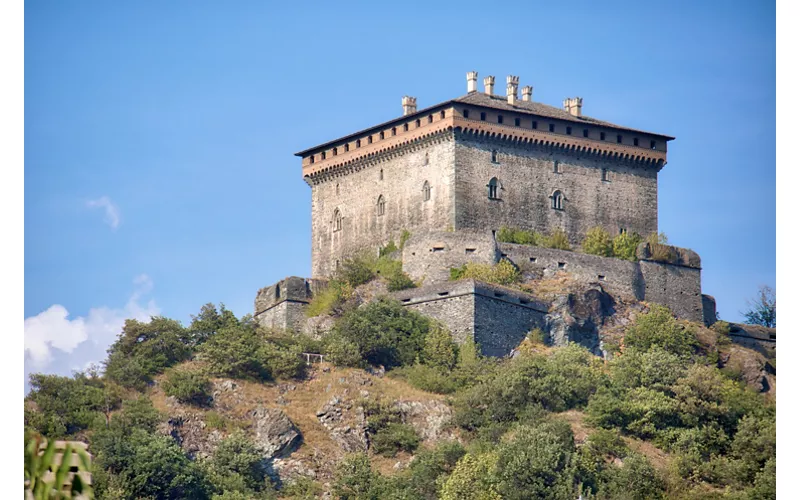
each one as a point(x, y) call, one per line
point(335, 151)
point(346, 148)
point(602, 136)
point(466, 113)
point(358, 143)
point(524, 301)
point(382, 136)
point(552, 128)
point(601, 277)
point(635, 141)
point(469, 250)
point(562, 265)
point(323, 155)
point(516, 122)
point(369, 140)
point(499, 118)
point(418, 123)
point(569, 130)
point(438, 249)
point(394, 130)
point(483, 117)
point(405, 127)
point(405, 300)
point(555, 167)
point(652, 144)
point(604, 175)
point(441, 114)
point(586, 132)
point(430, 118)
point(311, 158)
point(534, 125)
point(443, 294)
point(532, 259)
point(498, 294)
point(619, 139)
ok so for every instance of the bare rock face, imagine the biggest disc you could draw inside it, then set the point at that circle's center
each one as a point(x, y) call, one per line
point(428, 418)
point(347, 428)
point(190, 432)
point(578, 317)
point(275, 434)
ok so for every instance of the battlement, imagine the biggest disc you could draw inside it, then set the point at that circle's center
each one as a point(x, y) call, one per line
point(282, 305)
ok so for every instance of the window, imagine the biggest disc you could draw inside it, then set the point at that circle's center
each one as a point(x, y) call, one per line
point(569, 130)
point(369, 140)
point(619, 139)
point(499, 118)
point(555, 167)
point(586, 132)
point(381, 135)
point(635, 141)
point(426, 191)
point(358, 143)
point(405, 127)
point(346, 148)
point(441, 114)
point(494, 156)
point(335, 151)
point(381, 205)
point(492, 188)
point(394, 130)
point(534, 125)
point(516, 122)
point(278, 291)
point(604, 175)
point(558, 200)
point(380, 175)
point(322, 155)
point(602, 136)
point(312, 158)
point(430, 118)
point(483, 117)
point(465, 113)
point(418, 123)
point(425, 160)
point(652, 144)
point(337, 220)
point(552, 127)
point(337, 189)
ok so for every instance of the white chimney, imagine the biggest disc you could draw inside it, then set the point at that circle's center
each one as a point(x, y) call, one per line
point(472, 81)
point(409, 105)
point(488, 85)
point(527, 93)
point(573, 105)
point(512, 83)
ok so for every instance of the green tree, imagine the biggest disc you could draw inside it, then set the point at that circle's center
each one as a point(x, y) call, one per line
point(238, 352)
point(208, 322)
point(659, 328)
point(598, 242)
point(188, 385)
point(238, 465)
point(761, 310)
point(354, 479)
point(439, 350)
point(472, 479)
point(625, 245)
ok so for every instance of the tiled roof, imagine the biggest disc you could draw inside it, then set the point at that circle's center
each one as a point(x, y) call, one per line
point(539, 109)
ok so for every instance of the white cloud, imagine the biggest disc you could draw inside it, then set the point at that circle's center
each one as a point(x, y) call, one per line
point(56, 344)
point(112, 211)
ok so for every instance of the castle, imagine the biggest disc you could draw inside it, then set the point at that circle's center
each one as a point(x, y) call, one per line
point(453, 174)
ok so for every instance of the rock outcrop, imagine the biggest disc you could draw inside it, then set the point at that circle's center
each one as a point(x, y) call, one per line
point(275, 434)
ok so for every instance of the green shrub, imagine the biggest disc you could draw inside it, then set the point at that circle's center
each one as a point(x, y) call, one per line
point(388, 249)
point(473, 478)
point(430, 469)
point(502, 273)
point(391, 271)
point(384, 332)
point(598, 242)
point(354, 479)
point(331, 300)
point(519, 236)
point(557, 239)
point(209, 322)
point(439, 349)
point(606, 443)
point(660, 328)
point(189, 386)
point(636, 479)
point(427, 378)
point(660, 250)
point(395, 437)
point(237, 461)
point(404, 236)
point(216, 421)
point(379, 414)
point(238, 352)
point(357, 270)
point(625, 245)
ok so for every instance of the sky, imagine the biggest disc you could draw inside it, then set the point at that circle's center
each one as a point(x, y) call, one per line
point(159, 136)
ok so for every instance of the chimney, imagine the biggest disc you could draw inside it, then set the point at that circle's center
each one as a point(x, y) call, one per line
point(472, 81)
point(512, 83)
point(488, 85)
point(409, 105)
point(572, 105)
point(527, 93)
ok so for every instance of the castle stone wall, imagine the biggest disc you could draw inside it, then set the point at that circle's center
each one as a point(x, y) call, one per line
point(677, 287)
point(627, 200)
point(401, 182)
point(428, 257)
point(283, 304)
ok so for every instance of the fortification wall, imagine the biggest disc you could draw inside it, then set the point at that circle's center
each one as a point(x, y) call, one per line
point(677, 287)
point(428, 257)
point(527, 177)
point(283, 304)
point(399, 178)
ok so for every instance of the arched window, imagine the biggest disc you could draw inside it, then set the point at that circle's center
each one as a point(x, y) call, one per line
point(381, 205)
point(337, 220)
point(425, 161)
point(426, 191)
point(558, 200)
point(494, 156)
point(493, 188)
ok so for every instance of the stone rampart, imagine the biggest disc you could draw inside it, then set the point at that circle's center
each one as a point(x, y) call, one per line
point(283, 304)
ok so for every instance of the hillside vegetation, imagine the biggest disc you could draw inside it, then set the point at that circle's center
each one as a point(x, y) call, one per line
point(225, 409)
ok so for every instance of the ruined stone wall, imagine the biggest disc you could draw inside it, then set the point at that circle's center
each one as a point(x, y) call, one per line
point(628, 199)
point(283, 304)
point(399, 177)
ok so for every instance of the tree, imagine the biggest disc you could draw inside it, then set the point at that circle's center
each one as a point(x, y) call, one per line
point(598, 242)
point(761, 310)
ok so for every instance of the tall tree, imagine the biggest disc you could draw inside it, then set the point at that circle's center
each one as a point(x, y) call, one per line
point(761, 310)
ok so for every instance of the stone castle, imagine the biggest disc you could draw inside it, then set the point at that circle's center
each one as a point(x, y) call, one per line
point(453, 174)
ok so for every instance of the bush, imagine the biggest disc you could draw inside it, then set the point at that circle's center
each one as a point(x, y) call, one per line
point(189, 386)
point(598, 242)
point(427, 378)
point(439, 349)
point(331, 300)
point(659, 328)
point(209, 322)
point(625, 245)
point(519, 236)
point(391, 271)
point(473, 478)
point(660, 250)
point(395, 437)
point(636, 479)
point(354, 479)
point(502, 273)
point(238, 463)
point(558, 239)
point(384, 333)
point(238, 352)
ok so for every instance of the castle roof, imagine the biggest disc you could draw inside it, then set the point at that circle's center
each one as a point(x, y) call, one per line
point(499, 102)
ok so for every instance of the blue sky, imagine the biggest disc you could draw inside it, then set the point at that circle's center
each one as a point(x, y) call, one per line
point(159, 136)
